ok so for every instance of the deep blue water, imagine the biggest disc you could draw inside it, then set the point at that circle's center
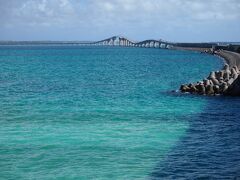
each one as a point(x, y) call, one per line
point(109, 113)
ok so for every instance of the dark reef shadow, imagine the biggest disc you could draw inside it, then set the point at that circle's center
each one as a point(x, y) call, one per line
point(210, 148)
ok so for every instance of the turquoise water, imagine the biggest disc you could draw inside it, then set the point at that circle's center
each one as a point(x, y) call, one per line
point(95, 112)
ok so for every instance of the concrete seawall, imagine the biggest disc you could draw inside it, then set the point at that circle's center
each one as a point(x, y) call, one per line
point(231, 58)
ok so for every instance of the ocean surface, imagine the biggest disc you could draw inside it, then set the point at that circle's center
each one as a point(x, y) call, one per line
point(71, 112)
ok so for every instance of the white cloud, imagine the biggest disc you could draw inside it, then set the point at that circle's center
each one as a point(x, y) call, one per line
point(119, 15)
point(58, 12)
point(38, 12)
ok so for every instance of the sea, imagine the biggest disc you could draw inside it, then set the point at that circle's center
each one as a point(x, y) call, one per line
point(88, 112)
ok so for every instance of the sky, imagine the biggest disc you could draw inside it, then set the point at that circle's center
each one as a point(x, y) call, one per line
point(171, 20)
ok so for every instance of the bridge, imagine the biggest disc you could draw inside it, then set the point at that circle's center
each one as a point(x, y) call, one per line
point(125, 42)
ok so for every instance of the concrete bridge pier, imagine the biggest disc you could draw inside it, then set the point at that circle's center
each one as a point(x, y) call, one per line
point(147, 45)
point(151, 44)
point(156, 44)
point(163, 45)
point(120, 42)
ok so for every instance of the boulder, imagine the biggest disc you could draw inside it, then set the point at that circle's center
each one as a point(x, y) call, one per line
point(226, 67)
point(210, 82)
point(235, 76)
point(192, 88)
point(212, 75)
point(184, 88)
point(206, 82)
point(198, 87)
point(230, 81)
point(215, 81)
point(216, 89)
point(233, 71)
point(221, 73)
point(202, 89)
point(217, 75)
point(234, 88)
point(223, 87)
point(209, 90)
point(226, 76)
point(221, 81)
point(236, 69)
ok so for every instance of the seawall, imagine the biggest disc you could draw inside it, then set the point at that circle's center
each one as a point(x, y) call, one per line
point(231, 58)
point(225, 81)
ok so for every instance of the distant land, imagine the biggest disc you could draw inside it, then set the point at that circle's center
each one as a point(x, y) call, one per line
point(123, 41)
point(84, 42)
point(42, 42)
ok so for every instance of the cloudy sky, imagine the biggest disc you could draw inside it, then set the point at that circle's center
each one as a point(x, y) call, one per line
point(173, 20)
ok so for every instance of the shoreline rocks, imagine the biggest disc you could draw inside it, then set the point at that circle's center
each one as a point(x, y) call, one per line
point(234, 88)
point(226, 82)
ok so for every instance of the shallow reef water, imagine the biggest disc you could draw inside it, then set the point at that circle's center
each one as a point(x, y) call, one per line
point(76, 112)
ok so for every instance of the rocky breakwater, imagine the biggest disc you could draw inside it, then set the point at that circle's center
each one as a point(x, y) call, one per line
point(225, 82)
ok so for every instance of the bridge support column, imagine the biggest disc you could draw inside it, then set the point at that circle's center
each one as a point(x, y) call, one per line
point(120, 42)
